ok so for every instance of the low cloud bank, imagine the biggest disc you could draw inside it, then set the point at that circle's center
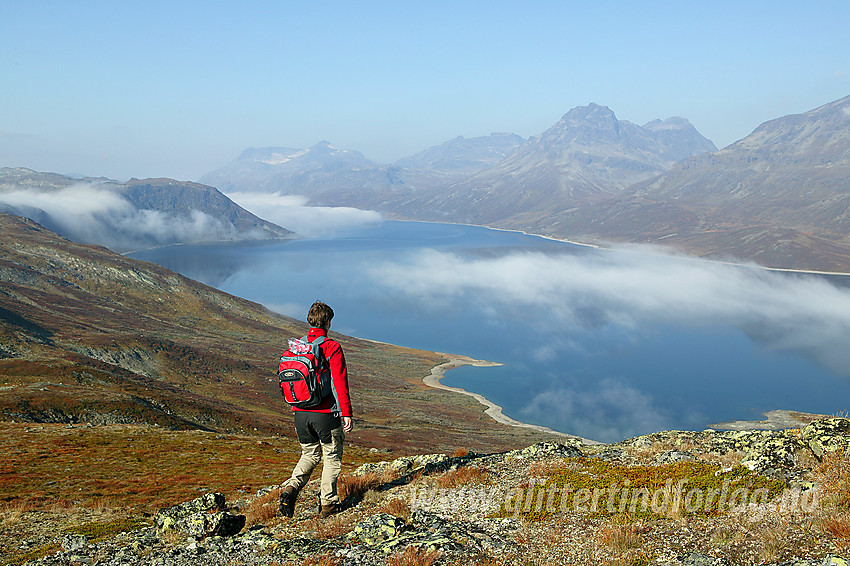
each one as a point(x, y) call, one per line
point(574, 298)
point(797, 313)
point(291, 212)
point(98, 215)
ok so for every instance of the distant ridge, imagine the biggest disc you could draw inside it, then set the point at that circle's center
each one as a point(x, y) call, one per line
point(327, 175)
point(132, 215)
point(464, 155)
point(587, 156)
point(499, 178)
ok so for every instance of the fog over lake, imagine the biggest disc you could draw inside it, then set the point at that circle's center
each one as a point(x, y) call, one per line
point(606, 344)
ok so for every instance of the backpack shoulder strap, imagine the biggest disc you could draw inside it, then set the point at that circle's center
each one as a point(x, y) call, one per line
point(316, 348)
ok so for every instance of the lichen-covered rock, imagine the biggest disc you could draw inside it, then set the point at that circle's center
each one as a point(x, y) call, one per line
point(826, 435)
point(416, 462)
point(609, 454)
point(435, 532)
point(378, 529)
point(766, 452)
point(428, 531)
point(405, 464)
point(221, 524)
point(202, 517)
point(672, 456)
point(772, 455)
point(74, 542)
point(697, 559)
point(548, 449)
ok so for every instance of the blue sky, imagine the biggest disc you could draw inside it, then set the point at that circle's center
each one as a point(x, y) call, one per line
point(176, 89)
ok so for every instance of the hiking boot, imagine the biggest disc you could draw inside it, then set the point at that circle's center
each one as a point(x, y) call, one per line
point(287, 501)
point(328, 510)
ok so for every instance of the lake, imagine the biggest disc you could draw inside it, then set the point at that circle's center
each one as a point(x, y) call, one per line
point(605, 344)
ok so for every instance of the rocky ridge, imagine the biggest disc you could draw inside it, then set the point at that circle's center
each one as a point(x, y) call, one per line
point(408, 508)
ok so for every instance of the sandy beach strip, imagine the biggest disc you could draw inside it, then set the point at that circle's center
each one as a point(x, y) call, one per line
point(492, 410)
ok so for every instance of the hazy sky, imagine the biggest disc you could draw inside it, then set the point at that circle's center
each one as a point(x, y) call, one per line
point(177, 89)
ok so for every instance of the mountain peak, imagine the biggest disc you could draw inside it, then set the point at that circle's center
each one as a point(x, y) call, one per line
point(590, 112)
point(672, 123)
point(593, 124)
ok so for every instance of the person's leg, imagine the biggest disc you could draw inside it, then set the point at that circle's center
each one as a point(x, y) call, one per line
point(311, 451)
point(311, 455)
point(331, 466)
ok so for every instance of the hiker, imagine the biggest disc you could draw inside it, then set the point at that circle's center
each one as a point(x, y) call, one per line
point(321, 428)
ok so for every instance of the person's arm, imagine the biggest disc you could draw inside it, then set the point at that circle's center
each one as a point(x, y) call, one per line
point(339, 377)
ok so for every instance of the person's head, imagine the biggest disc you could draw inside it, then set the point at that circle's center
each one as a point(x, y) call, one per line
point(320, 315)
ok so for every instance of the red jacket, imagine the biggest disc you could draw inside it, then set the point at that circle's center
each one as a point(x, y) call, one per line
point(339, 375)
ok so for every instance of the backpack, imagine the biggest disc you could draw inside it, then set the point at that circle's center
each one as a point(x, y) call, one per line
point(304, 373)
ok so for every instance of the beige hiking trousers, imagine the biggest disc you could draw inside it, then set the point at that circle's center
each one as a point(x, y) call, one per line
point(330, 454)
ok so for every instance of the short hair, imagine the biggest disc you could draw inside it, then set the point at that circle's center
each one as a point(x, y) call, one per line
point(320, 315)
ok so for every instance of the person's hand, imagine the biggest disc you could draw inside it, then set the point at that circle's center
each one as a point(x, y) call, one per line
point(347, 424)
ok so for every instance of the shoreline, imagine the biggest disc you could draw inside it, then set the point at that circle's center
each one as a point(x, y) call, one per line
point(778, 419)
point(492, 410)
point(609, 246)
point(259, 241)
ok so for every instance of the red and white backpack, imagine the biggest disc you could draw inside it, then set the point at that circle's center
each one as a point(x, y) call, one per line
point(304, 373)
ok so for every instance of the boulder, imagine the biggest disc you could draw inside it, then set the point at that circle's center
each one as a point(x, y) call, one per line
point(426, 530)
point(200, 518)
point(406, 464)
point(826, 435)
point(697, 559)
point(672, 456)
point(772, 454)
point(378, 529)
point(74, 542)
point(547, 449)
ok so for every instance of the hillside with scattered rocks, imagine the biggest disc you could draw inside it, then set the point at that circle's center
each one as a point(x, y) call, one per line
point(674, 498)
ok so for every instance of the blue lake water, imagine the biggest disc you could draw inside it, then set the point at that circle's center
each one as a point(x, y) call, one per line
point(606, 344)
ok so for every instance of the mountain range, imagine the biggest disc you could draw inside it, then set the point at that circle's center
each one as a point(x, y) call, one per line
point(131, 215)
point(778, 197)
point(586, 156)
point(474, 180)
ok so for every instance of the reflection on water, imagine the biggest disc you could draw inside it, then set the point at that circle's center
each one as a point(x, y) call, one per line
point(604, 344)
point(211, 264)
